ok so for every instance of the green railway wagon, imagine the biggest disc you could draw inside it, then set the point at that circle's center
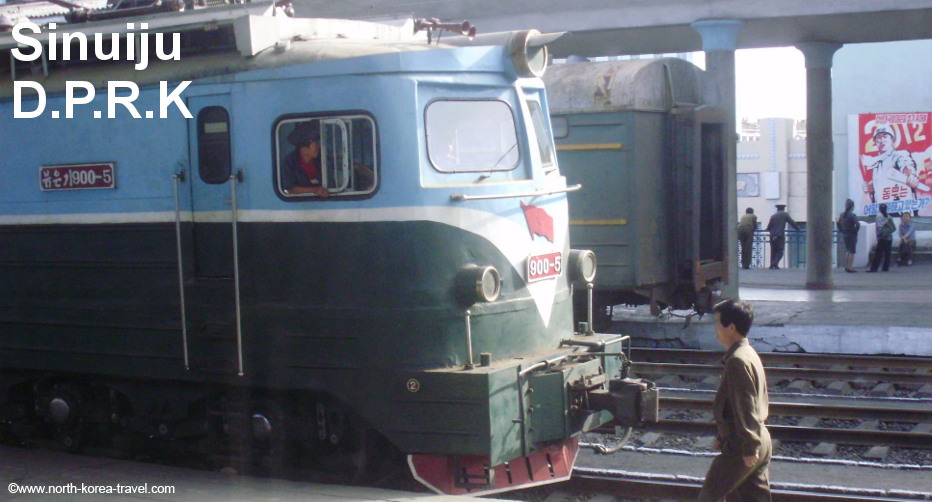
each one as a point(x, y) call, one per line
point(650, 154)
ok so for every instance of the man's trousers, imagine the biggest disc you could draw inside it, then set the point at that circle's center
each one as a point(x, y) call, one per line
point(777, 245)
point(729, 479)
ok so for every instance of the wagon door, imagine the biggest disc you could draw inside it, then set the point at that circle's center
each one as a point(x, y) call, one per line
point(710, 155)
point(214, 334)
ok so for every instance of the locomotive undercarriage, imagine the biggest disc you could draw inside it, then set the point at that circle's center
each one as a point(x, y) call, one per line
point(311, 435)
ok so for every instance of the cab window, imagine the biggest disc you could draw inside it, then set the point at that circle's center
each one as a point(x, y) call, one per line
point(471, 136)
point(544, 144)
point(213, 145)
point(561, 126)
point(325, 157)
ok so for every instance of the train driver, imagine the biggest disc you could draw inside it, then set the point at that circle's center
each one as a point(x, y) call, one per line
point(301, 169)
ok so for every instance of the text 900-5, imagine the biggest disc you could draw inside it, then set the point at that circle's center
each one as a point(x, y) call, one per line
point(77, 177)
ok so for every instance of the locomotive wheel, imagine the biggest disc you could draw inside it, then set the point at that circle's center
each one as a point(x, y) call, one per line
point(270, 432)
point(66, 411)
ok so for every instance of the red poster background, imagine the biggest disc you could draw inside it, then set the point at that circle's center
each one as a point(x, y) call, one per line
point(909, 188)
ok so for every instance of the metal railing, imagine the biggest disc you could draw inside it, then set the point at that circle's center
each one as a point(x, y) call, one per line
point(794, 255)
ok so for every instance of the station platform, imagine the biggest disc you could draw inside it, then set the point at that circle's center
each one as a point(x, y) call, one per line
point(847, 480)
point(865, 313)
point(27, 473)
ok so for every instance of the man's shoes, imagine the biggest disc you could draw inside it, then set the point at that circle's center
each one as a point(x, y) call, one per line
point(851, 270)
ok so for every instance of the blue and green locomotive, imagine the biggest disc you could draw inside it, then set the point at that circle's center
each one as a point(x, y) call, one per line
point(340, 243)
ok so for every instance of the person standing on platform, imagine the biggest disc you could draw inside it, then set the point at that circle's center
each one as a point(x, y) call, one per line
point(746, 227)
point(907, 239)
point(741, 406)
point(885, 229)
point(777, 229)
point(849, 225)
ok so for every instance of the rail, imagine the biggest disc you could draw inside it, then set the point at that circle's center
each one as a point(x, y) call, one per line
point(660, 369)
point(787, 358)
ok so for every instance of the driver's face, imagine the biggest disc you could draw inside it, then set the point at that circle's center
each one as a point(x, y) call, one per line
point(311, 151)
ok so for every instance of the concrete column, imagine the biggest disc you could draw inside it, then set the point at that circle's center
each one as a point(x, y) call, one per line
point(819, 160)
point(719, 41)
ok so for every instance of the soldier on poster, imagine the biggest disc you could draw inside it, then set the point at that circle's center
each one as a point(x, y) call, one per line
point(893, 153)
point(893, 172)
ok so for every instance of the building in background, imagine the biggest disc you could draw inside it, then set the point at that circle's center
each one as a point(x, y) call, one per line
point(881, 78)
point(772, 167)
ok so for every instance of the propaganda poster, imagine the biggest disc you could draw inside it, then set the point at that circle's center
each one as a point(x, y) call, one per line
point(891, 157)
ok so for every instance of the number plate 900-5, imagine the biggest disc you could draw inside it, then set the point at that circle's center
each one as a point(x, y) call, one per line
point(77, 177)
point(544, 266)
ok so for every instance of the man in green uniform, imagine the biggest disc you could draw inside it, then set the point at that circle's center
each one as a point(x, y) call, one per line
point(777, 229)
point(741, 471)
point(746, 227)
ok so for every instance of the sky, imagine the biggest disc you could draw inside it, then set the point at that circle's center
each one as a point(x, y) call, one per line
point(770, 83)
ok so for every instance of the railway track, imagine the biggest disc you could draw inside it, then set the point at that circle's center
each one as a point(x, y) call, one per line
point(678, 487)
point(805, 411)
point(865, 423)
point(799, 360)
point(912, 378)
point(795, 373)
point(858, 429)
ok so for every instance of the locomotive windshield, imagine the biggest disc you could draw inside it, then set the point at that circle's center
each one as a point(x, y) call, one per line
point(470, 136)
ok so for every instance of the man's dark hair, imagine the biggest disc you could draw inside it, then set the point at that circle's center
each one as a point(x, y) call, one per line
point(749, 210)
point(304, 134)
point(737, 312)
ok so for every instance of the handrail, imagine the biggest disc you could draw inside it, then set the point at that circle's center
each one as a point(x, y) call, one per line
point(795, 246)
point(234, 179)
point(179, 178)
point(460, 197)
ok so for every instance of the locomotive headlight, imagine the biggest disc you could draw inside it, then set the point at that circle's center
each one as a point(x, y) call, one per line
point(527, 49)
point(582, 265)
point(529, 54)
point(475, 283)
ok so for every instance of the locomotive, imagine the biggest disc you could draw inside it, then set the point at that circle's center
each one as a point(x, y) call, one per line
point(171, 276)
point(642, 139)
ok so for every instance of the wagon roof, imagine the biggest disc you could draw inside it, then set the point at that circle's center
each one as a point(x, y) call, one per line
point(642, 84)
